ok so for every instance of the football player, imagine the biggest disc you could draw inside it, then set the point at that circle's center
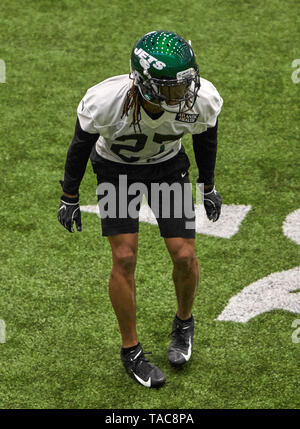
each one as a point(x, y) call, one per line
point(131, 126)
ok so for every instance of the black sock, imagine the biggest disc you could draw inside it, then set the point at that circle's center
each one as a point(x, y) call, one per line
point(184, 321)
point(126, 350)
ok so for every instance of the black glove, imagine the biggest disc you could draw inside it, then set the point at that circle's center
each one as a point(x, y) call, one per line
point(212, 204)
point(69, 212)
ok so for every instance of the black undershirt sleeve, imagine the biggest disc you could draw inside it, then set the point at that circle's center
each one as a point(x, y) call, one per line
point(205, 150)
point(77, 158)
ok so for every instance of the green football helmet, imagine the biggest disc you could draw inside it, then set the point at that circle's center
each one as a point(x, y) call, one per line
point(164, 68)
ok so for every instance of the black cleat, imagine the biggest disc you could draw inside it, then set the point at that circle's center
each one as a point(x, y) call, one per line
point(141, 369)
point(180, 349)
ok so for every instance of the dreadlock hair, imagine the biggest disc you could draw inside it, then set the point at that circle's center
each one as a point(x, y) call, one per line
point(133, 100)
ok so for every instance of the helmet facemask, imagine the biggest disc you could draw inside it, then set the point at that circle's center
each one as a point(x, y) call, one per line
point(172, 95)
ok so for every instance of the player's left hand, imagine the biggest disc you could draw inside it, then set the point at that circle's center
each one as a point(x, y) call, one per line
point(212, 204)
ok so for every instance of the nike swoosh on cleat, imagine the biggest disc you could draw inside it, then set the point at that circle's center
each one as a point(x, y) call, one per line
point(137, 355)
point(188, 355)
point(144, 383)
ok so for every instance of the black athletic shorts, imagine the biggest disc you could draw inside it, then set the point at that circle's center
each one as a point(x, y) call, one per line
point(165, 186)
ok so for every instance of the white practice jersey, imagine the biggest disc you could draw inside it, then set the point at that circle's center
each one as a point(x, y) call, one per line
point(158, 140)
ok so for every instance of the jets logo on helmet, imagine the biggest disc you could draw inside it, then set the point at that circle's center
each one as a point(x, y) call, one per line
point(146, 60)
point(164, 69)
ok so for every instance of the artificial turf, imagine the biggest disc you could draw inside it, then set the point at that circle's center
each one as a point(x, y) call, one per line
point(62, 339)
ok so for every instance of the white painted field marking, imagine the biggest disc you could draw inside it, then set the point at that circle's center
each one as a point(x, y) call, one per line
point(2, 332)
point(2, 71)
point(278, 291)
point(291, 226)
point(226, 227)
point(274, 292)
point(90, 209)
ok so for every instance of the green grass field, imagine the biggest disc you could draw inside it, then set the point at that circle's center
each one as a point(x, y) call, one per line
point(62, 339)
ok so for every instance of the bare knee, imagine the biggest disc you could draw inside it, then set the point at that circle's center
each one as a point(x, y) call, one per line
point(124, 259)
point(184, 258)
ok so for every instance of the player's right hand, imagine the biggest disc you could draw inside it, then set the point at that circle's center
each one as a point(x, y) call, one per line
point(69, 212)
